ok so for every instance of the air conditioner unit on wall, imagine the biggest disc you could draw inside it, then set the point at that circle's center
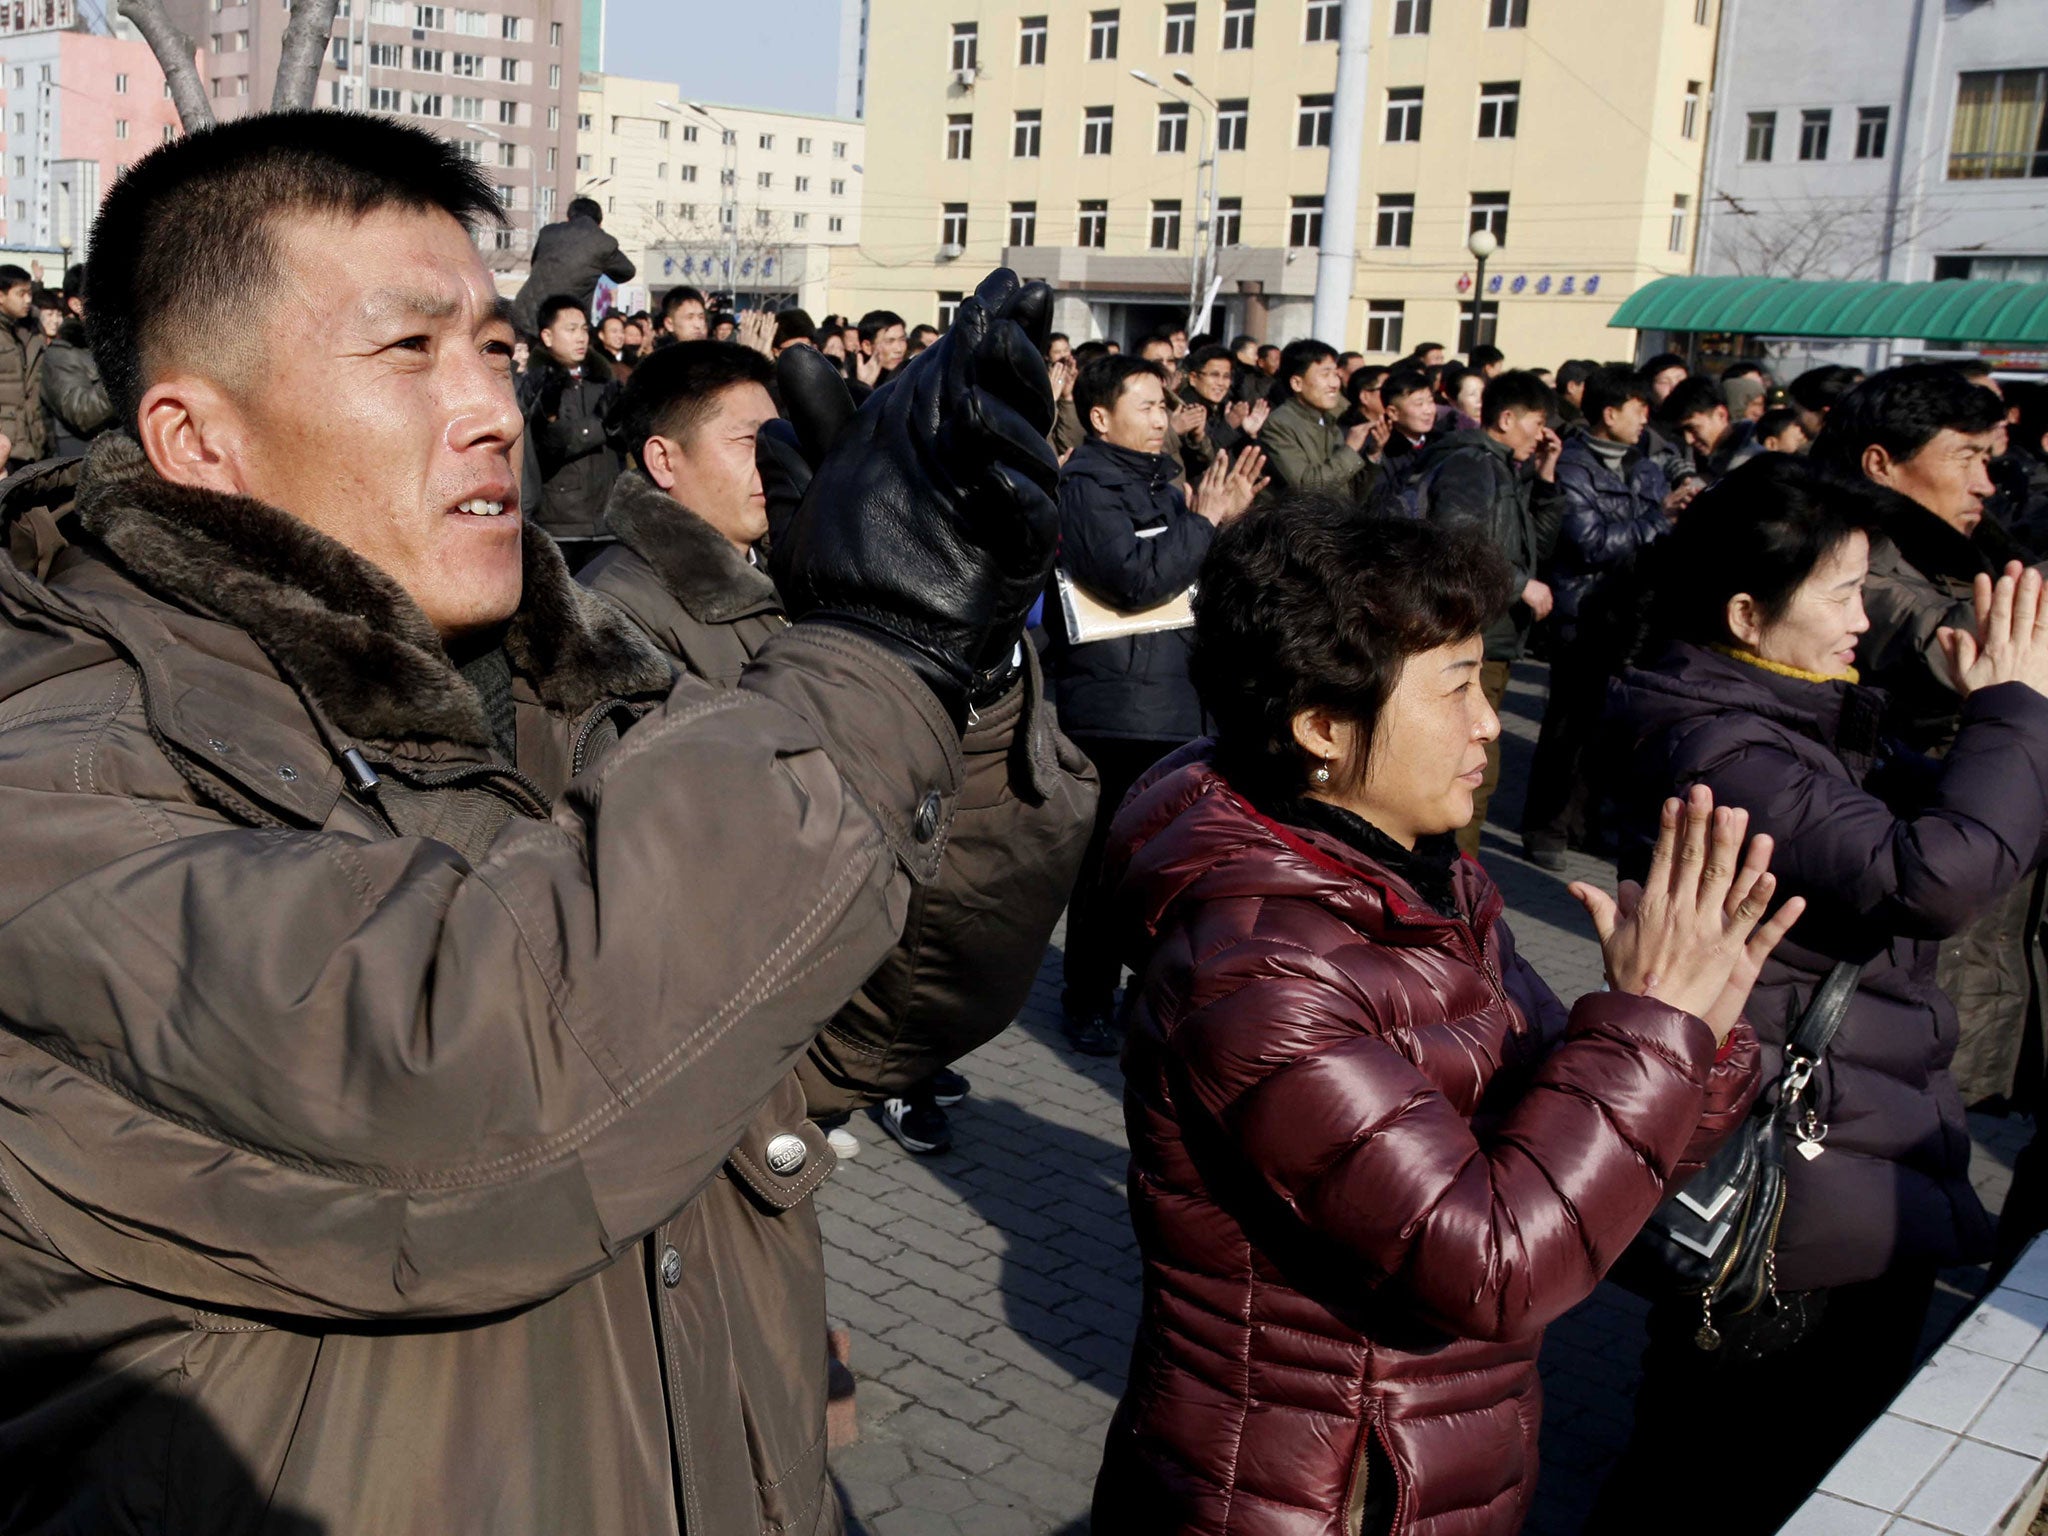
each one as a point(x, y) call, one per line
point(965, 78)
point(951, 252)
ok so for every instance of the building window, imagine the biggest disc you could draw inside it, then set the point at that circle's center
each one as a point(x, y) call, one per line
point(1312, 122)
point(120, 85)
point(1873, 130)
point(467, 109)
point(1093, 231)
point(508, 71)
point(730, 138)
point(1689, 115)
point(765, 180)
point(838, 149)
point(1489, 211)
point(1383, 321)
point(1102, 31)
point(1165, 224)
point(1180, 29)
point(554, 34)
point(1229, 221)
point(1394, 229)
point(1031, 41)
point(683, 172)
point(510, 28)
point(803, 183)
point(1702, 11)
point(767, 141)
point(966, 45)
point(1813, 133)
point(425, 105)
point(1023, 223)
point(1499, 105)
point(803, 146)
point(1321, 25)
point(469, 66)
point(1404, 115)
point(1762, 138)
point(838, 188)
point(1097, 124)
point(2001, 125)
point(1679, 205)
point(953, 224)
point(1233, 121)
point(1305, 223)
point(949, 309)
point(1024, 134)
point(1487, 330)
point(386, 56)
point(386, 98)
point(582, 163)
point(689, 133)
point(120, 130)
point(960, 136)
point(1238, 16)
point(426, 61)
point(1173, 128)
point(835, 224)
point(797, 220)
point(429, 18)
point(1507, 13)
point(1411, 18)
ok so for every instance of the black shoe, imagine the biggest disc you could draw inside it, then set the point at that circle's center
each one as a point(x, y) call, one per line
point(1544, 856)
point(1093, 1036)
point(947, 1087)
point(921, 1128)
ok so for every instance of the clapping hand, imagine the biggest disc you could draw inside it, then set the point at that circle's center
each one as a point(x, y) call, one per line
point(1693, 934)
point(1190, 419)
point(757, 330)
point(1256, 419)
point(1228, 489)
point(2011, 642)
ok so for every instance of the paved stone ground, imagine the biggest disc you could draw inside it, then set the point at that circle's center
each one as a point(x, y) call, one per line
point(992, 1291)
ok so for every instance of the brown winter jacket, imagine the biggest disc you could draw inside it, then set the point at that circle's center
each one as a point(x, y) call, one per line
point(1370, 1160)
point(22, 351)
point(404, 1157)
point(973, 940)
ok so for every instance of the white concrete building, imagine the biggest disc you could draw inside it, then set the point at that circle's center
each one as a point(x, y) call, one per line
point(726, 198)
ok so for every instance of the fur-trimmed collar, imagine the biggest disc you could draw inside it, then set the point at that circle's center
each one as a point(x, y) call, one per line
point(338, 627)
point(695, 562)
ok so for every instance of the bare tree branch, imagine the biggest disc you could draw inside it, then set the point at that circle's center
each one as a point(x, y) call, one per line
point(299, 56)
point(173, 50)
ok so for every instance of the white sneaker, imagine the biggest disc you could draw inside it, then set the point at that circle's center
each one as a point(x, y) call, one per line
point(843, 1142)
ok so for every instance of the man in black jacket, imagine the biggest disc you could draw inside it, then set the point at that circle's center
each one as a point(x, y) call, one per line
point(565, 405)
point(1129, 541)
point(1477, 479)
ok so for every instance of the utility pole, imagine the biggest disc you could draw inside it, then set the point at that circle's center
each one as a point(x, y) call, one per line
point(1337, 258)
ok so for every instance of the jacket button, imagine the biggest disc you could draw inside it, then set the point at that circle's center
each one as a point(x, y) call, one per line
point(924, 826)
point(671, 1268)
point(786, 1154)
point(287, 772)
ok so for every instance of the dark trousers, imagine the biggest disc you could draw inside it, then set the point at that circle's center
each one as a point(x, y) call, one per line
point(1727, 1448)
point(1554, 813)
point(1093, 962)
point(1493, 681)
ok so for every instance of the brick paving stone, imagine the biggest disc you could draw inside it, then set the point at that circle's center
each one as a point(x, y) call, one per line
point(992, 1290)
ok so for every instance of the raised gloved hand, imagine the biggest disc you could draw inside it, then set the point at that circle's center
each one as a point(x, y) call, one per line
point(929, 519)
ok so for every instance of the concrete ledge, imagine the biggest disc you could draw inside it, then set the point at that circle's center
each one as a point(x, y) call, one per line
point(1963, 1451)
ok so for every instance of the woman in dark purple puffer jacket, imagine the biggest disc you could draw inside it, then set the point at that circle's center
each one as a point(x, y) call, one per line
point(1755, 696)
point(1371, 1155)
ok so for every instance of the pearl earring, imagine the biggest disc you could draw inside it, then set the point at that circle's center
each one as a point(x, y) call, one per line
point(1322, 773)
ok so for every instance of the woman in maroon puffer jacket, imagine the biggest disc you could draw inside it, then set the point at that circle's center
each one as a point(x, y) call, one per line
point(1371, 1157)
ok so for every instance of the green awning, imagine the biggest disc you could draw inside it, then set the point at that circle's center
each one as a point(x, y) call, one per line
point(2000, 313)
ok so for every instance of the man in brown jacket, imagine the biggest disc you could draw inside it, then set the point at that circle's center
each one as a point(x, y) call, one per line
point(22, 348)
point(396, 1118)
point(690, 513)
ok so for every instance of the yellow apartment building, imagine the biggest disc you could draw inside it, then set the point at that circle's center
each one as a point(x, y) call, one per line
point(1019, 132)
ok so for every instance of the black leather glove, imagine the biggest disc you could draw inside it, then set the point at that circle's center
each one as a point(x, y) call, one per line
point(929, 519)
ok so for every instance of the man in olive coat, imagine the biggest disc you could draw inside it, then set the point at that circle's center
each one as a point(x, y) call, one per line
point(400, 969)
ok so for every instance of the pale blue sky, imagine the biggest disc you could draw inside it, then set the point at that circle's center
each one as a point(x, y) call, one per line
point(757, 53)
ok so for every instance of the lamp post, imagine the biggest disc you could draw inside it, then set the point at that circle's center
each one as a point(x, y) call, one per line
point(1207, 231)
point(532, 190)
point(1205, 176)
point(1481, 244)
point(728, 202)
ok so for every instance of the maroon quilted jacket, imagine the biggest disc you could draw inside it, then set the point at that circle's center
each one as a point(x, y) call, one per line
point(1370, 1161)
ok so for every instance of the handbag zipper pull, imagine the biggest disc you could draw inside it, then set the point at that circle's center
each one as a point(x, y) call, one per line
point(1708, 1337)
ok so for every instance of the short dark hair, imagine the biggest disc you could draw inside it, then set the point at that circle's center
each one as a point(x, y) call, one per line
point(1349, 357)
point(1202, 357)
point(1692, 396)
point(918, 331)
point(678, 296)
point(1304, 604)
point(1774, 422)
point(189, 233)
point(1485, 357)
point(1058, 336)
point(1103, 380)
point(1609, 389)
point(673, 390)
point(1516, 390)
point(1401, 383)
point(586, 208)
point(1973, 368)
point(1900, 410)
point(1576, 370)
point(1426, 346)
point(47, 298)
point(793, 325)
point(1662, 362)
point(74, 280)
point(1240, 341)
point(1266, 347)
point(1088, 351)
point(1297, 358)
point(1761, 530)
point(876, 321)
point(1741, 368)
point(1817, 389)
point(12, 276)
point(552, 306)
point(1365, 380)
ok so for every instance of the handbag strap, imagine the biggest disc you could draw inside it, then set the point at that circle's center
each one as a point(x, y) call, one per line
point(1824, 1014)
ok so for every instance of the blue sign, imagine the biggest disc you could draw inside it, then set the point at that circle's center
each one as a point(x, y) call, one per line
point(1593, 283)
point(1518, 284)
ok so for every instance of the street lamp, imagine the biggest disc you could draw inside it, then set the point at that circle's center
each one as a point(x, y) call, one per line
point(1202, 269)
point(729, 200)
point(1482, 244)
point(532, 191)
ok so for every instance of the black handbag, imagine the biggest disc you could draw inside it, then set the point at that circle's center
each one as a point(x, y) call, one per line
point(1713, 1242)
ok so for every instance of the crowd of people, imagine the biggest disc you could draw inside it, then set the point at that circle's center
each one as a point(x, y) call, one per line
point(442, 952)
